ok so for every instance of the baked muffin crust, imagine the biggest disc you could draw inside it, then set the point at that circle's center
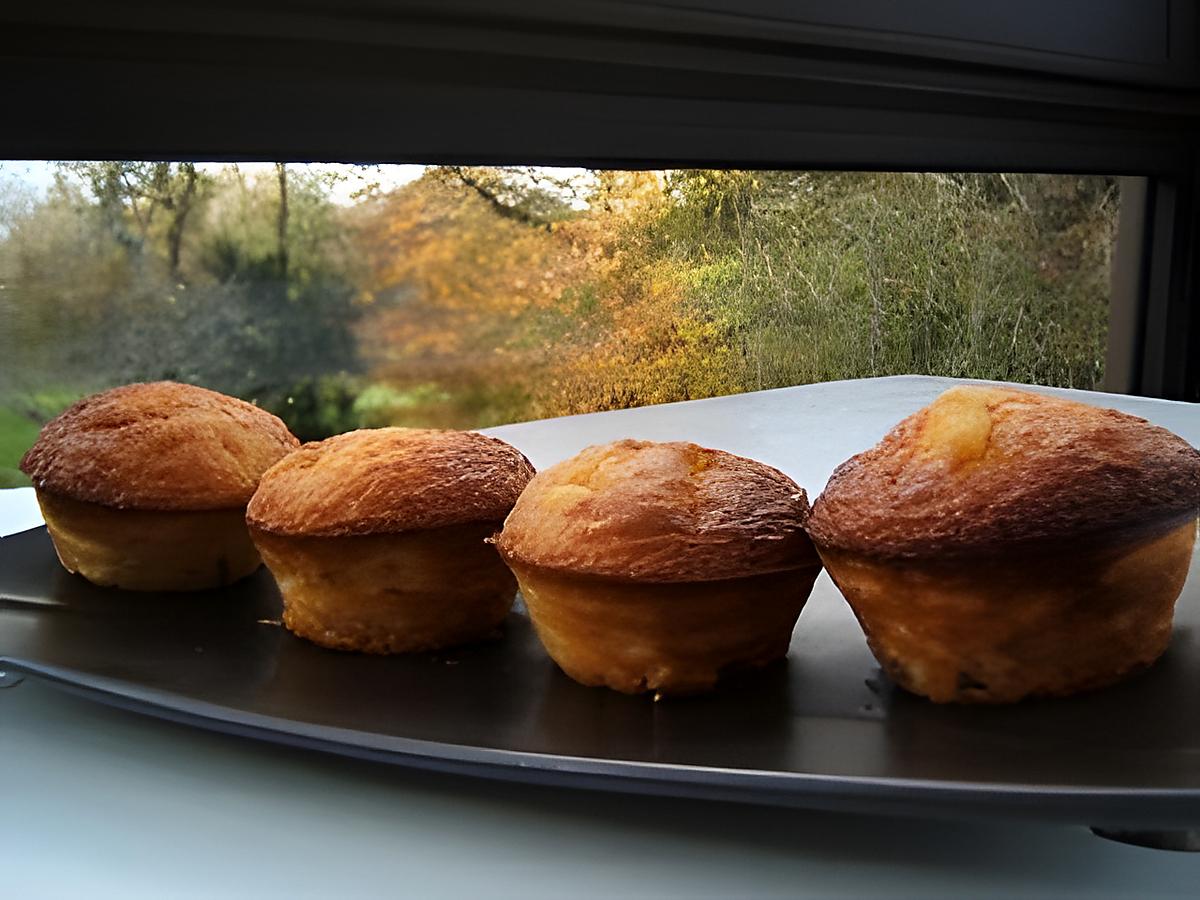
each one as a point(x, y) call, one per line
point(659, 512)
point(388, 481)
point(158, 446)
point(985, 470)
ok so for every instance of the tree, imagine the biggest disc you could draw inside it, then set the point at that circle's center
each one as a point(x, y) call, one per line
point(178, 204)
point(95, 289)
point(281, 254)
point(523, 194)
point(137, 193)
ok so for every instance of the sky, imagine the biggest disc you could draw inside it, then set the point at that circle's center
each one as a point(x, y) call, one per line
point(39, 175)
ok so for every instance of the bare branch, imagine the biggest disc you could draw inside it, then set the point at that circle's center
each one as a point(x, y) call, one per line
point(509, 212)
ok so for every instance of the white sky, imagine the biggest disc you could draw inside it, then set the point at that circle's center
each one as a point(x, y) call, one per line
point(39, 175)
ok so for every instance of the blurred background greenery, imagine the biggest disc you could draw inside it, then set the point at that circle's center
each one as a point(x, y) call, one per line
point(469, 297)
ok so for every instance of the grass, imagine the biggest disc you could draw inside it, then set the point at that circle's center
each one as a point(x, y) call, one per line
point(17, 434)
point(864, 275)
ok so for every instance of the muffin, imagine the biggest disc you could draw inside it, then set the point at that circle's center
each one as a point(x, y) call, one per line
point(144, 487)
point(660, 566)
point(1001, 544)
point(379, 539)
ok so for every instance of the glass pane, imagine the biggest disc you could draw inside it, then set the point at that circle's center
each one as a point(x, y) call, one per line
point(355, 296)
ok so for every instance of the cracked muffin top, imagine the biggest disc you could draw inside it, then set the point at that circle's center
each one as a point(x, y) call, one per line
point(158, 446)
point(659, 512)
point(982, 470)
point(390, 480)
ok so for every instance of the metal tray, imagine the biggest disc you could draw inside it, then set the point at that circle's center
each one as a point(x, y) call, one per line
point(825, 729)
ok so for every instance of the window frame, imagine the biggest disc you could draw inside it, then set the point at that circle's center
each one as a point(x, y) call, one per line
point(657, 85)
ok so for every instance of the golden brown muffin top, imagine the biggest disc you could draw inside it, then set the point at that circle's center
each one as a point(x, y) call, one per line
point(645, 511)
point(982, 470)
point(389, 480)
point(158, 446)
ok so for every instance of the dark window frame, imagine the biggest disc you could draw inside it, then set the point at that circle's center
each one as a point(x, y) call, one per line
point(1082, 86)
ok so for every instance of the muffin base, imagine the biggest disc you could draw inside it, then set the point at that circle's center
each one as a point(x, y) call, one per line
point(1001, 630)
point(674, 638)
point(391, 593)
point(149, 550)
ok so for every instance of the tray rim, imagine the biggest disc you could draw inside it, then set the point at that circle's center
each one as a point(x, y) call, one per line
point(1155, 807)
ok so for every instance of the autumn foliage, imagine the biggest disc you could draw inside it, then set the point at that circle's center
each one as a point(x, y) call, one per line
point(474, 296)
point(659, 287)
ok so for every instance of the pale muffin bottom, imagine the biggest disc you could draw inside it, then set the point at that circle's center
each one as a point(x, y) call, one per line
point(149, 550)
point(1016, 626)
point(391, 593)
point(673, 638)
